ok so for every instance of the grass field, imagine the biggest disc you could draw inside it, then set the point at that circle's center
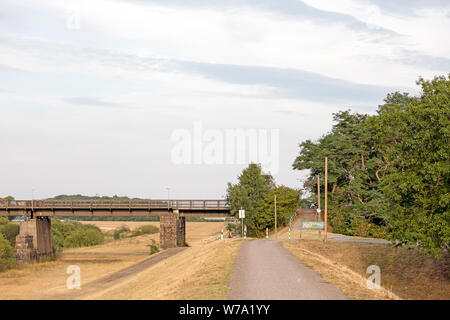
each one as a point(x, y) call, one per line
point(405, 274)
point(48, 280)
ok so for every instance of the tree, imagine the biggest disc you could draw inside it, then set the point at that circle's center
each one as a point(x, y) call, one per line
point(413, 136)
point(352, 168)
point(389, 174)
point(288, 200)
point(248, 194)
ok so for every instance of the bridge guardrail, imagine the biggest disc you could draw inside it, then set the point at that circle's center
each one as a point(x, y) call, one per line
point(176, 204)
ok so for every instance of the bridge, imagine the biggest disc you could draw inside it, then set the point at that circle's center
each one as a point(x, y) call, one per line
point(34, 241)
point(82, 208)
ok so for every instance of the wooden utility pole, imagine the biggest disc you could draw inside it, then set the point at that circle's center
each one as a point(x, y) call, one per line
point(326, 196)
point(276, 216)
point(318, 195)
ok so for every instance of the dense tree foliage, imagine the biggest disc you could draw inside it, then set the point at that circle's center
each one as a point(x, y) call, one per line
point(287, 205)
point(388, 174)
point(254, 193)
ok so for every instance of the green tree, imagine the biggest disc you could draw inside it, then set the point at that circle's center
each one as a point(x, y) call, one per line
point(288, 200)
point(352, 171)
point(248, 194)
point(413, 135)
point(388, 174)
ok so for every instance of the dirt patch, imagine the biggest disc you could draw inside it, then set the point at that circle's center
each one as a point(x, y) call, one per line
point(405, 273)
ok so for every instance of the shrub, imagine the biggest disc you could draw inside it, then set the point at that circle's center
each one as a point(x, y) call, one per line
point(71, 234)
point(9, 232)
point(83, 238)
point(153, 247)
point(147, 229)
point(7, 257)
point(120, 231)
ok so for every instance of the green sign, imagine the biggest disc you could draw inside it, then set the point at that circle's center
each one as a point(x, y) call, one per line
point(313, 225)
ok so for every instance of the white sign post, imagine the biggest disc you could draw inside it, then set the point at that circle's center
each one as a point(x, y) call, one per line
point(242, 216)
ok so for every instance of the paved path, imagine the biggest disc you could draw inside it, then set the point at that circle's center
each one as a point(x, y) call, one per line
point(266, 270)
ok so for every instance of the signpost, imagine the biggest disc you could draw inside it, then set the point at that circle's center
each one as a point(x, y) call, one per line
point(242, 216)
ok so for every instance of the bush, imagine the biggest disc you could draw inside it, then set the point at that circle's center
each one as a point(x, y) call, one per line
point(147, 229)
point(9, 232)
point(120, 231)
point(83, 238)
point(7, 257)
point(71, 234)
point(153, 247)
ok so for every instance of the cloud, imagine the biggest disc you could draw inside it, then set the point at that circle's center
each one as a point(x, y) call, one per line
point(288, 8)
point(90, 101)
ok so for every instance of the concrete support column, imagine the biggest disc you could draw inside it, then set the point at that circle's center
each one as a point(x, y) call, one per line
point(34, 241)
point(172, 230)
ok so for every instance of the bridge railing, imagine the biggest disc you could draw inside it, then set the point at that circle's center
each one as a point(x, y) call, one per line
point(55, 204)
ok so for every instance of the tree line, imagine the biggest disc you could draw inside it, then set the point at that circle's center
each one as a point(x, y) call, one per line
point(388, 173)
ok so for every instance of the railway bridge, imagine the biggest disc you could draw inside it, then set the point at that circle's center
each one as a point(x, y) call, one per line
point(35, 241)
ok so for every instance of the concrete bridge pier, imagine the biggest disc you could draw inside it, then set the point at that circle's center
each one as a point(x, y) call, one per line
point(172, 230)
point(34, 241)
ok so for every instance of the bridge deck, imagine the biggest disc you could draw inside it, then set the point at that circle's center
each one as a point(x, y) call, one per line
point(113, 207)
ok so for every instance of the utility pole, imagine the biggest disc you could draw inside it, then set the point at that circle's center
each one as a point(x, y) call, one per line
point(318, 196)
point(276, 216)
point(326, 196)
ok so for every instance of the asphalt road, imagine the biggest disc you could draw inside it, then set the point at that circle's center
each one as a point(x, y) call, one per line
point(265, 270)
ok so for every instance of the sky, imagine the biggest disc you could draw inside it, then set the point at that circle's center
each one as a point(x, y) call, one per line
point(102, 96)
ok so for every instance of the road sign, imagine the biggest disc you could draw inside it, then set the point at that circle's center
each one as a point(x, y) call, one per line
point(313, 225)
point(241, 214)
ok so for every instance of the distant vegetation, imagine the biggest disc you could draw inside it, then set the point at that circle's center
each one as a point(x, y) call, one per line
point(389, 174)
point(70, 234)
point(255, 192)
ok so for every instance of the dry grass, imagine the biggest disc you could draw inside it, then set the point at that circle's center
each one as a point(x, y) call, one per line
point(43, 280)
point(199, 272)
point(405, 274)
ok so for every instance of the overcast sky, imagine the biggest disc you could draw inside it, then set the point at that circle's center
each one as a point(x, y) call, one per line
point(92, 91)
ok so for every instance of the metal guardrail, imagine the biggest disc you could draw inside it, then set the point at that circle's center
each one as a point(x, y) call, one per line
point(175, 204)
